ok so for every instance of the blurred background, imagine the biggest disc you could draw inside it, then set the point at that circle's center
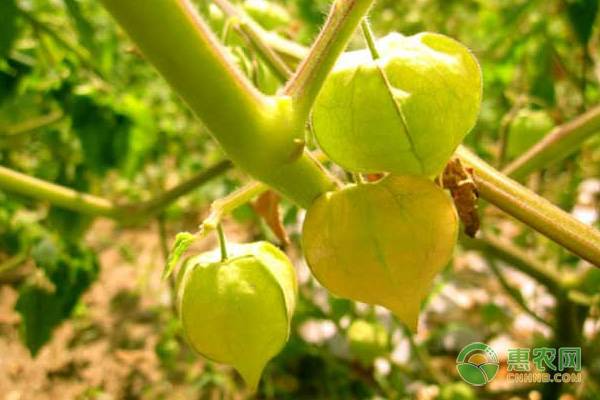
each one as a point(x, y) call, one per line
point(83, 311)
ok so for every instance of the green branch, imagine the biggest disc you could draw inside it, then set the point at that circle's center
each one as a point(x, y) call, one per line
point(183, 49)
point(558, 144)
point(73, 200)
point(160, 202)
point(235, 199)
point(227, 204)
point(533, 210)
point(61, 196)
point(422, 356)
point(344, 17)
point(261, 134)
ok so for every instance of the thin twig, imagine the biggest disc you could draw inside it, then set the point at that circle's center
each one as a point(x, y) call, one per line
point(227, 204)
point(42, 27)
point(12, 263)
point(70, 199)
point(505, 123)
point(422, 356)
point(516, 257)
point(558, 144)
point(244, 26)
point(515, 294)
point(161, 201)
point(222, 242)
point(369, 38)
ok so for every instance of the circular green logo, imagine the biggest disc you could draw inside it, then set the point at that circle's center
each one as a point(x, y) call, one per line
point(477, 363)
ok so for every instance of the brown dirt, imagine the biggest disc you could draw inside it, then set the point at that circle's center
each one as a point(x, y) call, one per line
point(107, 351)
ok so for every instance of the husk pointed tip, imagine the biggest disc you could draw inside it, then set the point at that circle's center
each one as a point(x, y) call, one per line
point(410, 319)
point(251, 376)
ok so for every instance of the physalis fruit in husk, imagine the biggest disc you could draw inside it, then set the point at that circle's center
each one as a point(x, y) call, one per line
point(238, 311)
point(381, 243)
point(405, 112)
point(528, 128)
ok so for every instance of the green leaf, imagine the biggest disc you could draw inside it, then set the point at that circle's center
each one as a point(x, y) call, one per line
point(8, 26)
point(582, 14)
point(43, 308)
point(103, 132)
point(183, 240)
point(142, 135)
point(83, 26)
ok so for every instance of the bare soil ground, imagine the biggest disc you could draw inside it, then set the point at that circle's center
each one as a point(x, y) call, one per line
point(107, 351)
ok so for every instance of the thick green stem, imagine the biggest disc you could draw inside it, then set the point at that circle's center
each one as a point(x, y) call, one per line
point(236, 199)
point(344, 17)
point(261, 134)
point(533, 210)
point(558, 144)
point(180, 45)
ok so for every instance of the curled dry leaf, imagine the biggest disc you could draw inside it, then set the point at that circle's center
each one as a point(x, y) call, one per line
point(459, 180)
point(267, 206)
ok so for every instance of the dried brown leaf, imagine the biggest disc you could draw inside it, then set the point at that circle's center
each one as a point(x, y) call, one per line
point(267, 206)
